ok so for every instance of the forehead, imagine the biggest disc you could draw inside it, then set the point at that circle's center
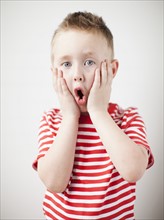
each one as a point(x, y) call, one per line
point(81, 42)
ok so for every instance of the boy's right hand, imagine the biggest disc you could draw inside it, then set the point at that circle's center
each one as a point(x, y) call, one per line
point(67, 102)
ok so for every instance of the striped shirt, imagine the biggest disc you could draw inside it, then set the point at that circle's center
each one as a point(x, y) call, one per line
point(95, 189)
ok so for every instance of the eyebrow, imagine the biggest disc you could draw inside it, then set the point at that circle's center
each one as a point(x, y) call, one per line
point(89, 53)
point(65, 57)
point(85, 54)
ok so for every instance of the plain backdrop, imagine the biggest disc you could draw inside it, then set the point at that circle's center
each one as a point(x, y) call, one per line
point(26, 91)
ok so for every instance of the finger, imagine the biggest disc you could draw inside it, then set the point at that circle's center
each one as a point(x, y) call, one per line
point(54, 78)
point(97, 79)
point(60, 74)
point(104, 73)
point(64, 87)
point(110, 73)
point(59, 78)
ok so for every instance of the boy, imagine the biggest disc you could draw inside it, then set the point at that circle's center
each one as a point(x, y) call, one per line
point(91, 153)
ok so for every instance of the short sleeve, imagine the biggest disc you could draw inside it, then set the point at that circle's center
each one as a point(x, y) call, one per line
point(49, 125)
point(133, 125)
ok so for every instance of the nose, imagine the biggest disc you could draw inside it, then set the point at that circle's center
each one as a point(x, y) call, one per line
point(78, 78)
point(78, 75)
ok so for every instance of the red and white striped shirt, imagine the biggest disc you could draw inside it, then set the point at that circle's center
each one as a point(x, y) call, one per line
point(95, 190)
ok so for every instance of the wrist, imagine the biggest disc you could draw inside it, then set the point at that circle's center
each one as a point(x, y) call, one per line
point(98, 110)
point(70, 114)
point(96, 113)
point(70, 117)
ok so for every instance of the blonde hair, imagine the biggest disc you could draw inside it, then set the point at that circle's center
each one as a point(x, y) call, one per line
point(84, 21)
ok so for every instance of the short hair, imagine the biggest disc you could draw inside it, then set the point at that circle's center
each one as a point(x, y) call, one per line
point(84, 21)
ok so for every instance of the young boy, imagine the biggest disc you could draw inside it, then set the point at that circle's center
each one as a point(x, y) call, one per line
point(91, 153)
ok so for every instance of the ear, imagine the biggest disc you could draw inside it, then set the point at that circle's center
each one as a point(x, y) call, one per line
point(115, 65)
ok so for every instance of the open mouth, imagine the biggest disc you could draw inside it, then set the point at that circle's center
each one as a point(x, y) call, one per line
point(80, 96)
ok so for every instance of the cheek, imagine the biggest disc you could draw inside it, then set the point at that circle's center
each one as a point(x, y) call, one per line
point(68, 81)
point(91, 80)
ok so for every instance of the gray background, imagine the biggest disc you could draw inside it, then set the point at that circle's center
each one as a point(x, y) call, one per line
point(26, 31)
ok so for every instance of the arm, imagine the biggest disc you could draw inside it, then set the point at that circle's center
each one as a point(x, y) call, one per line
point(55, 167)
point(129, 159)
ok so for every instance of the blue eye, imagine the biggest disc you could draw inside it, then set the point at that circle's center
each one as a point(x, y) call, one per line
point(89, 63)
point(66, 64)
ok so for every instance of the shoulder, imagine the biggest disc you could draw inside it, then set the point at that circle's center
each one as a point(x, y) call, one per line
point(123, 116)
point(51, 117)
point(51, 113)
point(116, 110)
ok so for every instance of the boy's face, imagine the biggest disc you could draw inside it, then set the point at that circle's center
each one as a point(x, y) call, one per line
point(78, 54)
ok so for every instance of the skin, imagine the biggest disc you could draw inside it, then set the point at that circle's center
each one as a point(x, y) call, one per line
point(87, 65)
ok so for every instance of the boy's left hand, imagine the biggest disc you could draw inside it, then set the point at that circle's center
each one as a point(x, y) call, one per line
point(101, 89)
